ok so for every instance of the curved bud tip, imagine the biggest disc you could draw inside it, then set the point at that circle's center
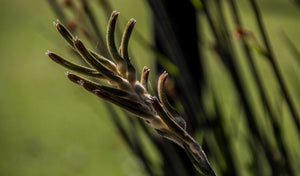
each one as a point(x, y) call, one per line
point(53, 56)
point(77, 42)
point(71, 76)
point(163, 76)
point(56, 23)
point(146, 69)
point(58, 26)
point(132, 20)
point(115, 13)
point(75, 79)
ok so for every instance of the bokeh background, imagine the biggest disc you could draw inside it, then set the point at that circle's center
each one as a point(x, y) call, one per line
point(49, 126)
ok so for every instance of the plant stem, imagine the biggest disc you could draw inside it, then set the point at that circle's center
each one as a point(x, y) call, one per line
point(262, 93)
point(274, 64)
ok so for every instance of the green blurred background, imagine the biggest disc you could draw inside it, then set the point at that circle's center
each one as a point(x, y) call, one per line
point(49, 126)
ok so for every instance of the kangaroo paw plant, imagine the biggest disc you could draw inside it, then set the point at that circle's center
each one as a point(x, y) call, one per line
point(127, 92)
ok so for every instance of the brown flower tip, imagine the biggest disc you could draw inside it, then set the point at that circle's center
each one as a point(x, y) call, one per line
point(241, 32)
point(71, 25)
point(67, 3)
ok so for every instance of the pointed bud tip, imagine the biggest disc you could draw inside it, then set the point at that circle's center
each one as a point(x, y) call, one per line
point(74, 78)
point(115, 13)
point(47, 52)
point(132, 20)
point(163, 76)
point(56, 23)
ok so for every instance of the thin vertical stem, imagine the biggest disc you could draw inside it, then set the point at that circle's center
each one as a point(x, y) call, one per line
point(262, 93)
point(227, 55)
point(95, 27)
point(57, 10)
point(274, 64)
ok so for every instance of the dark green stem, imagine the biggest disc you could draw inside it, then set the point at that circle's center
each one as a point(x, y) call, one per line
point(274, 64)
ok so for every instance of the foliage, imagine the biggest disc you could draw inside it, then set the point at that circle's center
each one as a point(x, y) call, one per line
point(256, 133)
